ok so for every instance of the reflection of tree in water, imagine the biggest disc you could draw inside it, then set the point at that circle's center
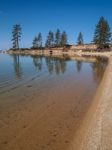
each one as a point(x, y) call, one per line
point(79, 65)
point(57, 65)
point(98, 68)
point(63, 65)
point(37, 61)
point(50, 64)
point(17, 66)
point(60, 66)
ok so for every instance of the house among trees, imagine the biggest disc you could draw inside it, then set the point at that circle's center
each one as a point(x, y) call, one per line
point(67, 47)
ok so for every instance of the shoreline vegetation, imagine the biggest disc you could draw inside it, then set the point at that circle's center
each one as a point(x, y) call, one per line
point(57, 42)
point(102, 39)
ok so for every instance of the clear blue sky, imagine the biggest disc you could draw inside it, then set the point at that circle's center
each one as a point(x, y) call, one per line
point(34, 16)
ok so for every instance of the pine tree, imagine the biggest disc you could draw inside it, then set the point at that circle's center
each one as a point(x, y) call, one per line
point(50, 40)
point(37, 42)
point(63, 41)
point(40, 40)
point(57, 38)
point(102, 35)
point(16, 36)
point(80, 39)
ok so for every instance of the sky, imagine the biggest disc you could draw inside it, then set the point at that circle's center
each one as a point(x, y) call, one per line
point(36, 16)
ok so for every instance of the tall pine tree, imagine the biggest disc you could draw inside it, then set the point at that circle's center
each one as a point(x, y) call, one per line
point(57, 38)
point(50, 40)
point(80, 39)
point(37, 42)
point(102, 35)
point(63, 41)
point(16, 36)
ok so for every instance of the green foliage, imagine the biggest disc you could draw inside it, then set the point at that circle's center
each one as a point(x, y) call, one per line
point(16, 36)
point(37, 42)
point(57, 38)
point(50, 40)
point(63, 41)
point(80, 39)
point(102, 35)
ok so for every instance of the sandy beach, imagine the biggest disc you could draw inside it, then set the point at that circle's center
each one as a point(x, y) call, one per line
point(95, 133)
point(54, 125)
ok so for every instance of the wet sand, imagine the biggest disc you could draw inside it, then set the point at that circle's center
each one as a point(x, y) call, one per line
point(95, 133)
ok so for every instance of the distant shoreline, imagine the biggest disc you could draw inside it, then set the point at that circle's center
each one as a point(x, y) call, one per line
point(60, 52)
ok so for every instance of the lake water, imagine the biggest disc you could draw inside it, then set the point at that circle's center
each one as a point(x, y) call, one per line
point(44, 99)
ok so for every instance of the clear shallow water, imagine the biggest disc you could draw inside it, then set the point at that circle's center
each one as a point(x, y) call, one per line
point(44, 99)
point(16, 71)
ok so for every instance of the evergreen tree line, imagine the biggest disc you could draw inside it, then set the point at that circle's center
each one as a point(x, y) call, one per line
point(102, 37)
point(56, 39)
